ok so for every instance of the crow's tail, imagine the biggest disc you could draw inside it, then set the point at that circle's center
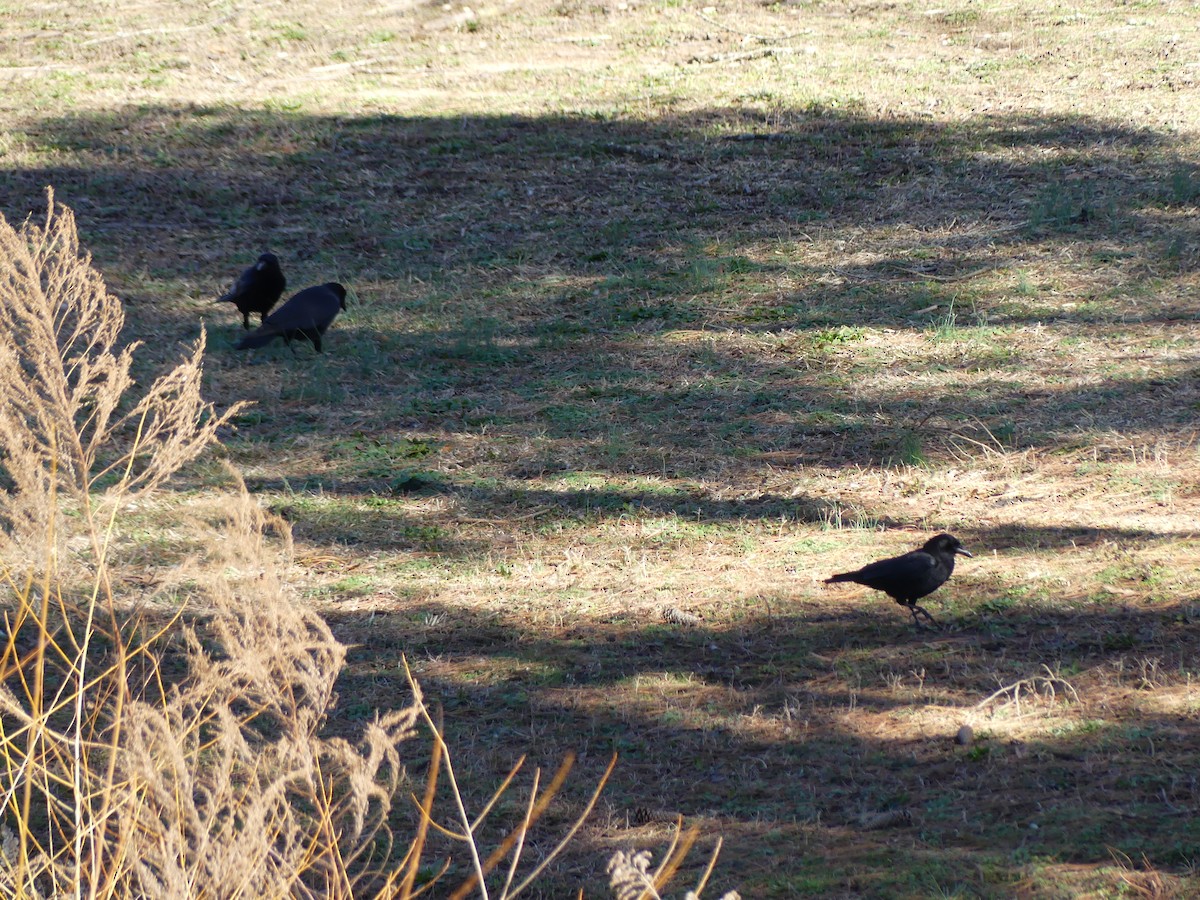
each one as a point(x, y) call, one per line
point(256, 339)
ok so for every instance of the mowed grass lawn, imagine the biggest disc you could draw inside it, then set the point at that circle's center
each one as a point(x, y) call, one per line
point(670, 306)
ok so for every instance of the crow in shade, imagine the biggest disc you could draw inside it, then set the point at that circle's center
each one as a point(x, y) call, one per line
point(257, 289)
point(305, 315)
point(908, 578)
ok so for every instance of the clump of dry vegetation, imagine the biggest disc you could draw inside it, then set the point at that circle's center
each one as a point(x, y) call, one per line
point(145, 755)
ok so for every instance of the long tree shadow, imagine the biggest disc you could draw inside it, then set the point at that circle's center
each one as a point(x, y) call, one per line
point(555, 277)
point(574, 190)
point(374, 511)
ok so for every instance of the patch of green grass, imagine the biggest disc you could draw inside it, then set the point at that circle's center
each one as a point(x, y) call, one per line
point(291, 31)
point(476, 342)
point(1183, 186)
point(830, 338)
point(352, 585)
point(1063, 209)
point(1003, 603)
point(903, 447)
point(958, 18)
point(569, 417)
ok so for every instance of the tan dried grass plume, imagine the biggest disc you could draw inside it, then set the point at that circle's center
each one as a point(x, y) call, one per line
point(227, 781)
point(66, 423)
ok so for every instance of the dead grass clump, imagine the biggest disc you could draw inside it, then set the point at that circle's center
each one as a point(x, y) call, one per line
point(255, 802)
point(1144, 881)
point(70, 440)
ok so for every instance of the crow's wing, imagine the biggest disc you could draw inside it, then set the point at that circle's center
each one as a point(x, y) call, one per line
point(911, 568)
point(244, 283)
point(313, 307)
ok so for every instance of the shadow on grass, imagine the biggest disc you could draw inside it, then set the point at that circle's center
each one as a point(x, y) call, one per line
point(374, 512)
point(693, 412)
point(656, 293)
point(797, 731)
point(386, 196)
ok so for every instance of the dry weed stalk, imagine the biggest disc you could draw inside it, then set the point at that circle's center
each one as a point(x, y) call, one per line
point(1145, 882)
point(229, 782)
point(631, 879)
point(66, 423)
point(514, 841)
point(1046, 686)
point(629, 875)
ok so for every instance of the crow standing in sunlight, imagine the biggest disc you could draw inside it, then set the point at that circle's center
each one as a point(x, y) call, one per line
point(257, 289)
point(908, 578)
point(305, 315)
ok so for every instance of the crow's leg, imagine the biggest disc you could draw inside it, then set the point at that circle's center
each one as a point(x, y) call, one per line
point(914, 609)
point(246, 320)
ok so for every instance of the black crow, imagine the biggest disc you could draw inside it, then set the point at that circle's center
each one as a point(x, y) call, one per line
point(305, 315)
point(908, 578)
point(257, 289)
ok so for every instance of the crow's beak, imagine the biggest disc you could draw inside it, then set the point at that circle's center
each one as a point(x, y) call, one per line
point(963, 551)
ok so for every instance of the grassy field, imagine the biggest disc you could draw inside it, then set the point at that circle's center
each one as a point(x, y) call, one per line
point(665, 306)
